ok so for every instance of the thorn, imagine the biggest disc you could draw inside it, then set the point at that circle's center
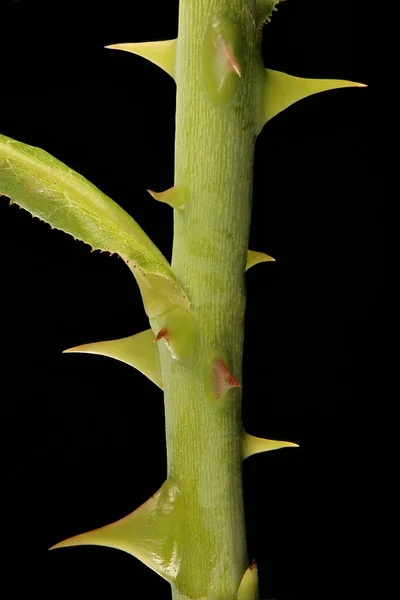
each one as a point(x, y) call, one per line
point(253, 258)
point(174, 196)
point(151, 533)
point(281, 90)
point(163, 333)
point(160, 53)
point(229, 57)
point(248, 588)
point(136, 350)
point(177, 328)
point(223, 380)
point(222, 56)
point(254, 445)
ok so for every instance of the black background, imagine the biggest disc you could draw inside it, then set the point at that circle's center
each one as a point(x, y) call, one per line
point(83, 436)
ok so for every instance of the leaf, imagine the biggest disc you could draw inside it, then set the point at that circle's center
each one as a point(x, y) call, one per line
point(264, 10)
point(160, 53)
point(255, 445)
point(54, 193)
point(137, 350)
point(280, 90)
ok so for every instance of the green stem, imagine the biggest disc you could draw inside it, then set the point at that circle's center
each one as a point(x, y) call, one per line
point(214, 162)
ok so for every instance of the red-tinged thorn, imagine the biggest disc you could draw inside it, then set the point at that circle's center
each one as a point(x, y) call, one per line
point(253, 565)
point(233, 63)
point(235, 67)
point(231, 59)
point(223, 378)
point(163, 333)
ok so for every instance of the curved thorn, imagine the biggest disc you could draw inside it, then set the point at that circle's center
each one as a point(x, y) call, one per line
point(174, 196)
point(254, 258)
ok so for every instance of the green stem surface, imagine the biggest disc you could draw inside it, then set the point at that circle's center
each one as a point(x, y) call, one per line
point(214, 162)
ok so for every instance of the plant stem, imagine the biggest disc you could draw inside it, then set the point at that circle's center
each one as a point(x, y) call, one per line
point(214, 162)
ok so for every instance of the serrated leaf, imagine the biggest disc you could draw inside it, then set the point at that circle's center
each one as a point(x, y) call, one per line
point(160, 53)
point(137, 350)
point(264, 10)
point(280, 90)
point(56, 194)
